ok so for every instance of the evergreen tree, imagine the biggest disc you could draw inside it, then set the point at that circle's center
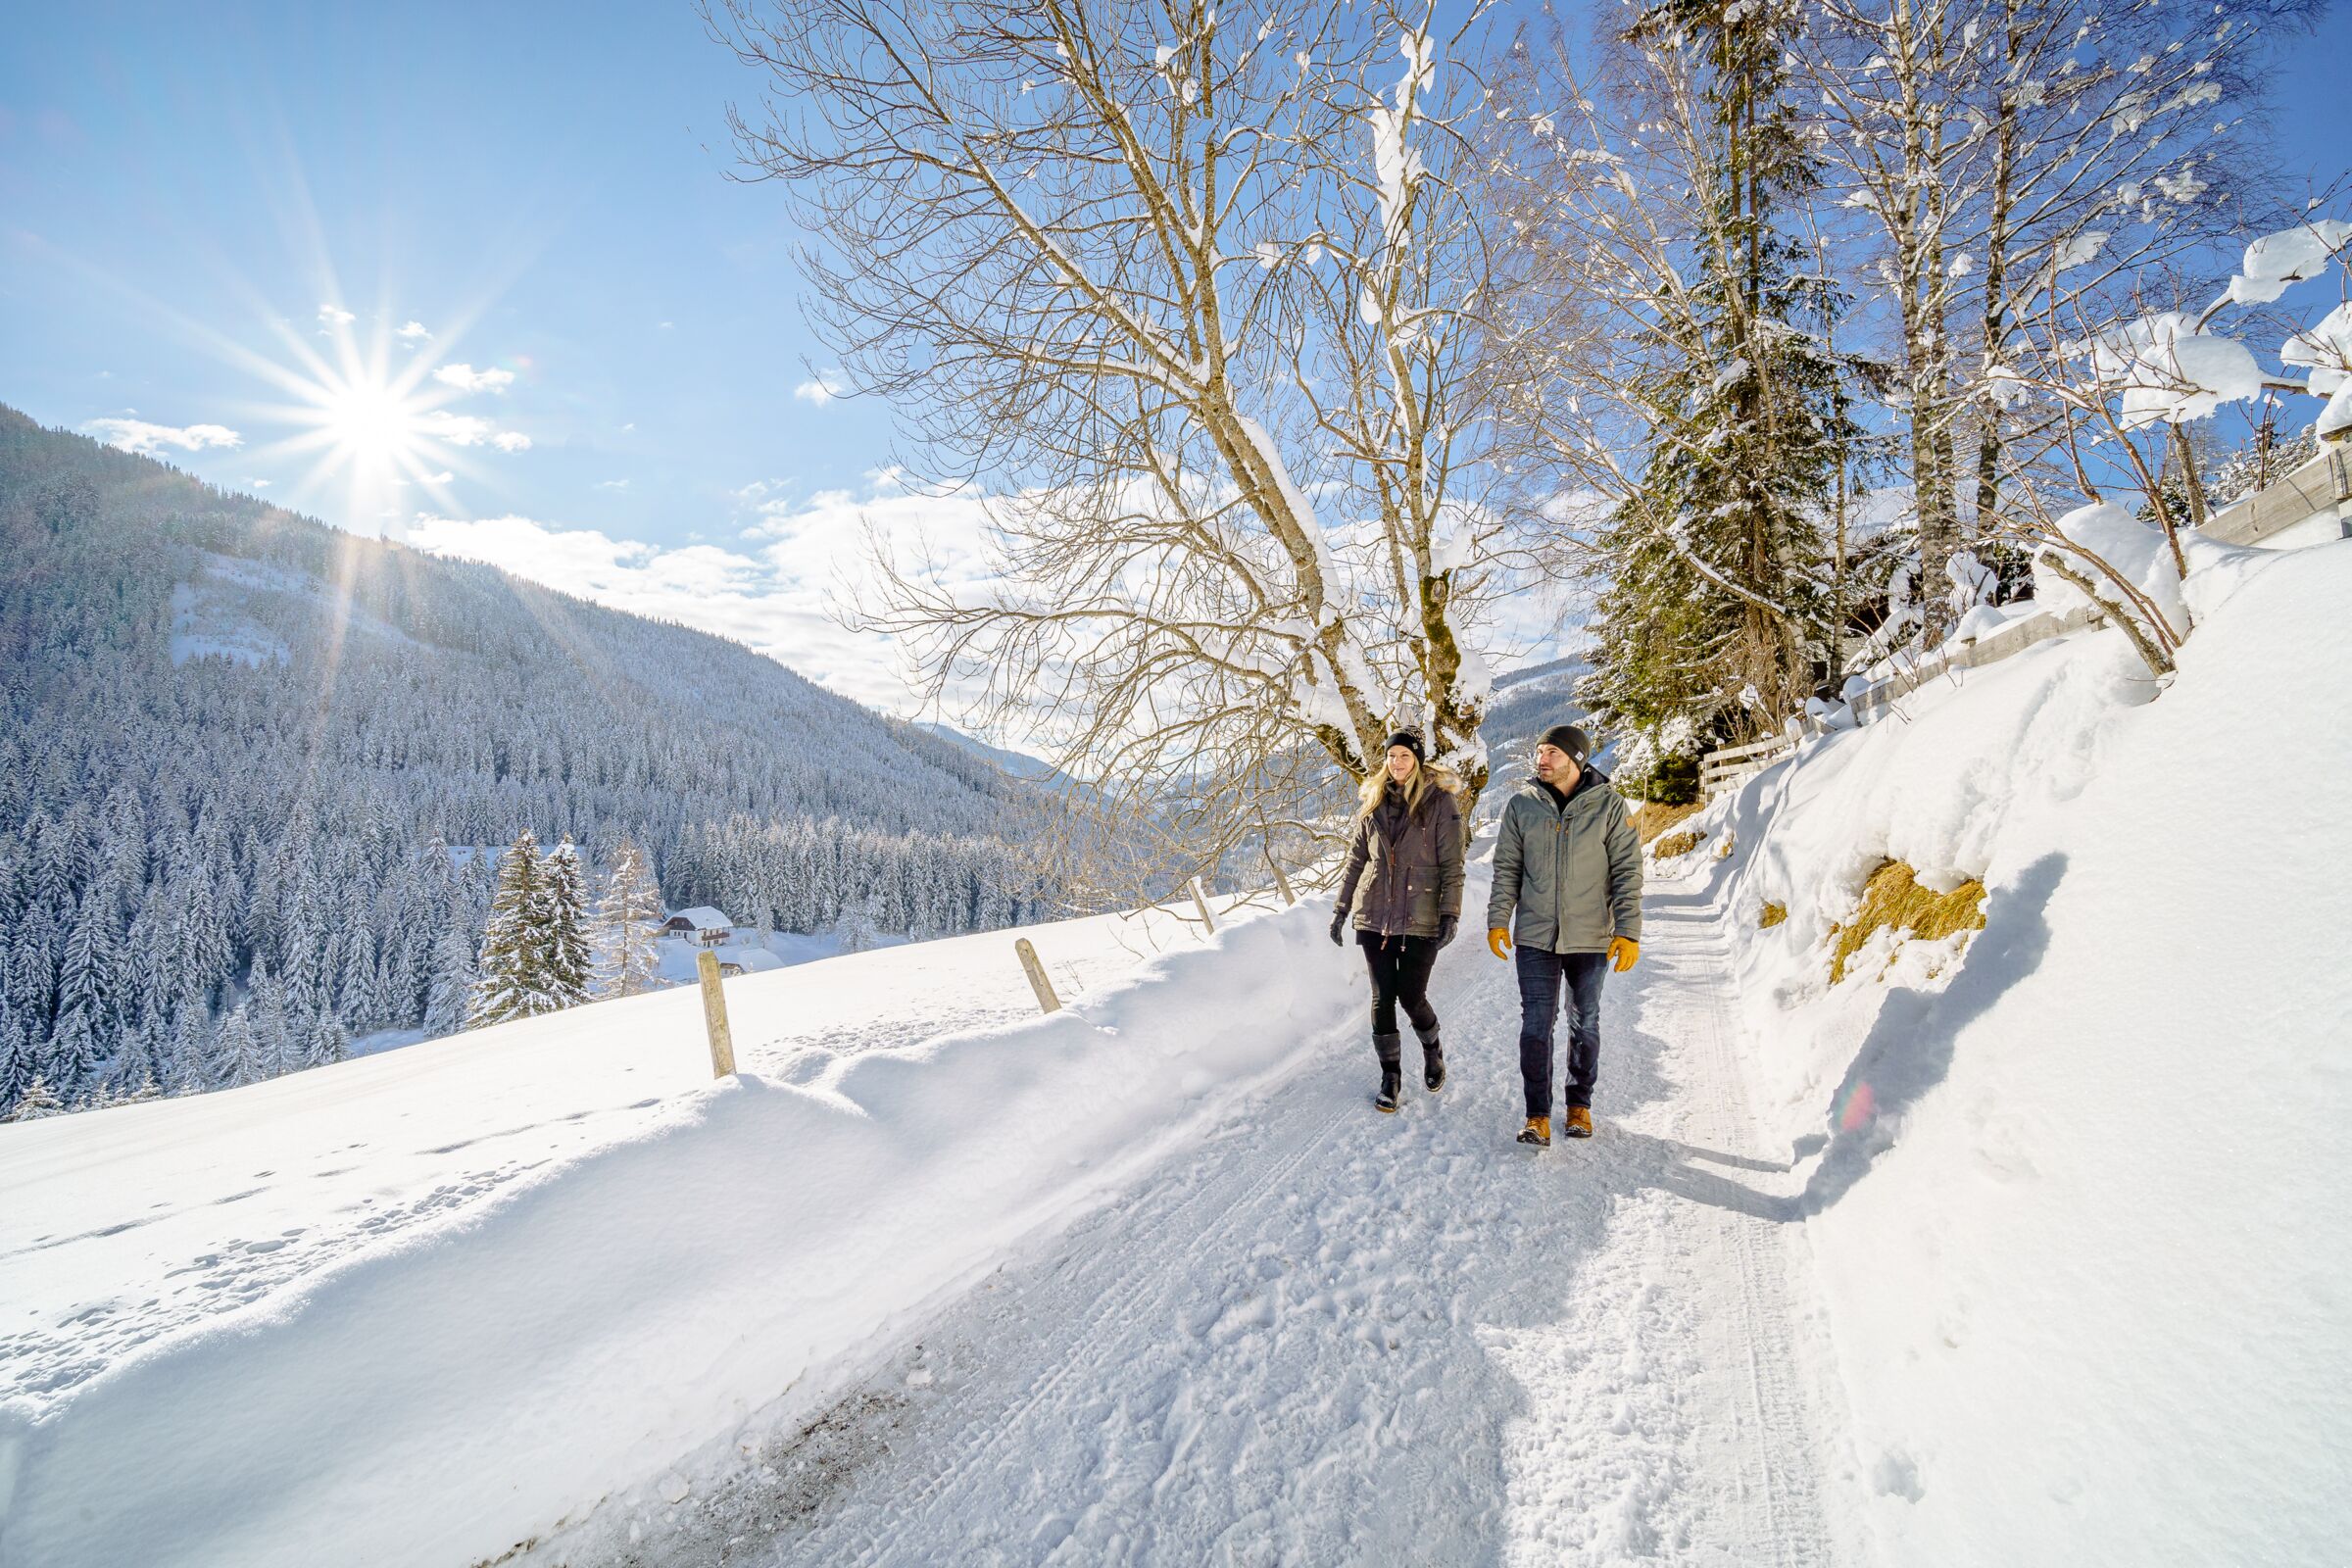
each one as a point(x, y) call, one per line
point(1714, 608)
point(188, 1058)
point(273, 1038)
point(16, 1055)
point(628, 922)
point(238, 1054)
point(564, 901)
point(452, 972)
point(38, 1101)
point(87, 1000)
point(324, 1041)
point(510, 978)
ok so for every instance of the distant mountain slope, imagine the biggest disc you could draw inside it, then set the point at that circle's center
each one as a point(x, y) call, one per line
point(228, 733)
point(1527, 703)
point(1016, 764)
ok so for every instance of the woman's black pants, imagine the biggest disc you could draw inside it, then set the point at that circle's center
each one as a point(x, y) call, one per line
point(1401, 968)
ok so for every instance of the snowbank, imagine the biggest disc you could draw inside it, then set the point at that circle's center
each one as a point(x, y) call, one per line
point(460, 1371)
point(2077, 1187)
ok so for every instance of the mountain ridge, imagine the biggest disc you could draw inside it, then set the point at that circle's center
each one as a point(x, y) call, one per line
point(233, 734)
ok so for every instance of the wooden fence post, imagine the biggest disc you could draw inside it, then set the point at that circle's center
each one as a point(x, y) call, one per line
point(1047, 1001)
point(1200, 902)
point(1281, 884)
point(714, 1015)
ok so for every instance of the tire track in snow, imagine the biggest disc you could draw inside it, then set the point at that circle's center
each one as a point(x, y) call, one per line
point(1327, 1336)
point(1110, 1312)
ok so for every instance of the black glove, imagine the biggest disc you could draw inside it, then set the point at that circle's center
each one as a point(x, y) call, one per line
point(1447, 924)
point(1339, 920)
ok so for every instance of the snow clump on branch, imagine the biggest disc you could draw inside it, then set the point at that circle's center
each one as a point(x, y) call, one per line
point(2168, 370)
point(2289, 256)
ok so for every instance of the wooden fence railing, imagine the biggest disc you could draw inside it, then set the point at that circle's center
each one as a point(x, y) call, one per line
point(1724, 769)
point(2321, 486)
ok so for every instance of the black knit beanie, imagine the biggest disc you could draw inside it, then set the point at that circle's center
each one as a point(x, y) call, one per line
point(1410, 741)
point(1570, 739)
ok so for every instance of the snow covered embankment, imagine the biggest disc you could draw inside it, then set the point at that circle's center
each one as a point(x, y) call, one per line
point(441, 1395)
point(2078, 1185)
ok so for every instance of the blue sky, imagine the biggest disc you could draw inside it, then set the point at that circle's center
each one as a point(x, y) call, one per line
point(189, 196)
point(606, 345)
point(555, 176)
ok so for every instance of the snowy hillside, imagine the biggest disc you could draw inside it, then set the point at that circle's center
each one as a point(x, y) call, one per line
point(232, 737)
point(2077, 1185)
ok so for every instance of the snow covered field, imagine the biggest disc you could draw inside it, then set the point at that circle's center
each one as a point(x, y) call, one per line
point(2024, 1247)
point(399, 1306)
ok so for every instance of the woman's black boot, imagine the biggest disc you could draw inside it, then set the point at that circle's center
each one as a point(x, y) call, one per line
point(1432, 1060)
point(1392, 1073)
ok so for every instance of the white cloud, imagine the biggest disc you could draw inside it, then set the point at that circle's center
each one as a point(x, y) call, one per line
point(443, 478)
point(413, 331)
point(465, 378)
point(613, 484)
point(458, 429)
point(138, 435)
point(334, 316)
point(258, 485)
point(779, 593)
point(820, 389)
point(468, 430)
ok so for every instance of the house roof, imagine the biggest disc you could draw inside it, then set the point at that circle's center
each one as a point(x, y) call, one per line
point(703, 918)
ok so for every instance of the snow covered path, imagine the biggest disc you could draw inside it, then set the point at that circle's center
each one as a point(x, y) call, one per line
point(1327, 1336)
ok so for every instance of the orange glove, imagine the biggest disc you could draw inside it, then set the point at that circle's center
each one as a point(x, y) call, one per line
point(1498, 940)
point(1624, 953)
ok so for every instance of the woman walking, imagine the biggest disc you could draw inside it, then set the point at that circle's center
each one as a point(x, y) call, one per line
point(1408, 834)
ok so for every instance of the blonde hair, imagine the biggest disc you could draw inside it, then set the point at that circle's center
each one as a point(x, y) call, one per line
point(1416, 786)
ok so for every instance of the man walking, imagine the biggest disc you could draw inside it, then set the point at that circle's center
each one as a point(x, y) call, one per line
point(1569, 862)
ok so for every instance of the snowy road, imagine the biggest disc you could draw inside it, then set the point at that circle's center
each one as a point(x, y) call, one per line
point(1324, 1336)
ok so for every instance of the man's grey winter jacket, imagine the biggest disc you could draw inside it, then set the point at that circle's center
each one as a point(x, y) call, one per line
point(1573, 871)
point(1415, 863)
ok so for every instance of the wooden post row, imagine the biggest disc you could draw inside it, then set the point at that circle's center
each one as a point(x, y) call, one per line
point(714, 1015)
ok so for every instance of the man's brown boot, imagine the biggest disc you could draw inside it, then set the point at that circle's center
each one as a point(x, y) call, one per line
point(1537, 1131)
point(1580, 1122)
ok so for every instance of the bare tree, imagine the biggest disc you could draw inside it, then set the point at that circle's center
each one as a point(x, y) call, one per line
point(628, 923)
point(1190, 291)
point(2120, 389)
point(1988, 142)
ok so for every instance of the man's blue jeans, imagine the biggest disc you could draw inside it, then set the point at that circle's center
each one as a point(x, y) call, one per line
point(1541, 974)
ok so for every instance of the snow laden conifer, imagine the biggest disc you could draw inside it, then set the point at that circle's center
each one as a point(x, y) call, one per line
point(1713, 611)
point(564, 925)
point(324, 1040)
point(510, 979)
point(238, 1054)
point(86, 1012)
point(628, 922)
point(449, 994)
point(38, 1101)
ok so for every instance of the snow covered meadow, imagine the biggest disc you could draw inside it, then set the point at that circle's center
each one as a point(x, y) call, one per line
point(2051, 1212)
point(418, 1306)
